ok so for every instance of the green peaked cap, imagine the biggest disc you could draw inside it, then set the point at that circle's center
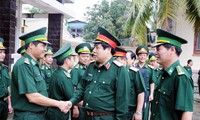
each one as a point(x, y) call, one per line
point(166, 37)
point(1, 44)
point(63, 52)
point(49, 50)
point(37, 35)
point(142, 50)
point(21, 50)
point(83, 48)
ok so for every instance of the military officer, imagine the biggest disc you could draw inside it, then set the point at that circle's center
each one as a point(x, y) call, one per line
point(61, 86)
point(5, 102)
point(47, 68)
point(137, 86)
point(104, 85)
point(174, 95)
point(148, 77)
point(28, 87)
point(189, 66)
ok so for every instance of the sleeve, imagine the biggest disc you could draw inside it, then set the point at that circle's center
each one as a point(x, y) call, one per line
point(122, 93)
point(140, 86)
point(25, 79)
point(74, 75)
point(153, 76)
point(184, 93)
point(66, 87)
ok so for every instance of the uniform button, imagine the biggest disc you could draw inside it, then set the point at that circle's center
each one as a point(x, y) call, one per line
point(153, 114)
point(156, 102)
point(95, 81)
point(90, 92)
point(163, 92)
point(98, 70)
point(87, 104)
point(159, 90)
point(162, 78)
point(103, 82)
point(157, 76)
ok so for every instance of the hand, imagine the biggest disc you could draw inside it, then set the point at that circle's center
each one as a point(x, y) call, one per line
point(150, 97)
point(10, 109)
point(137, 117)
point(65, 106)
point(75, 112)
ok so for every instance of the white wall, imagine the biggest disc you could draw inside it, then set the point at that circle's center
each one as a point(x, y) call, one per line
point(185, 30)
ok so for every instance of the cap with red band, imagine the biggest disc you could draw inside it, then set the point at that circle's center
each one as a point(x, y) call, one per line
point(120, 52)
point(105, 36)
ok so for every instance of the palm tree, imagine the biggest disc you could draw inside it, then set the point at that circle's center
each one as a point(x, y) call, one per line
point(159, 13)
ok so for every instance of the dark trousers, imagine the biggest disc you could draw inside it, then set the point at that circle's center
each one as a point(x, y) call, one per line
point(3, 110)
point(28, 116)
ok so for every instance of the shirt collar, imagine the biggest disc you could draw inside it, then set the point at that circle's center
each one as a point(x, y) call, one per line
point(32, 61)
point(170, 69)
point(107, 64)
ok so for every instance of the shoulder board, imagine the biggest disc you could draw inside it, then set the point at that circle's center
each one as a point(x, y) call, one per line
point(117, 63)
point(150, 66)
point(76, 66)
point(42, 67)
point(92, 61)
point(134, 69)
point(180, 70)
point(27, 61)
point(67, 74)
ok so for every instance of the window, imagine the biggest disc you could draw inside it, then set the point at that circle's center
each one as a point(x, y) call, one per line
point(197, 43)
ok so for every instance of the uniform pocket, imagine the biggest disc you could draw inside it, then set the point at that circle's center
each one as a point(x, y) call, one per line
point(165, 95)
point(40, 83)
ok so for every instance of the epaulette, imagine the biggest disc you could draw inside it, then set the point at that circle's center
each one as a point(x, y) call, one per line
point(77, 66)
point(180, 70)
point(92, 61)
point(150, 66)
point(42, 67)
point(117, 63)
point(5, 65)
point(27, 61)
point(67, 74)
point(134, 69)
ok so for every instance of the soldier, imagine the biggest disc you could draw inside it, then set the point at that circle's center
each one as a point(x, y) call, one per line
point(47, 68)
point(104, 85)
point(137, 87)
point(28, 87)
point(61, 86)
point(5, 102)
point(157, 68)
point(131, 57)
point(83, 50)
point(148, 77)
point(189, 66)
point(173, 98)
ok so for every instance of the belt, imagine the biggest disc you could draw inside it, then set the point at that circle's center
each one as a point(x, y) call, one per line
point(89, 113)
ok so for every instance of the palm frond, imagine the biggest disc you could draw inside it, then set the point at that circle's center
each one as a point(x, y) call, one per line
point(166, 9)
point(193, 13)
point(139, 30)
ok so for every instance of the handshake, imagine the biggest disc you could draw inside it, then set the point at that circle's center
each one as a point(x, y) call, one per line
point(65, 106)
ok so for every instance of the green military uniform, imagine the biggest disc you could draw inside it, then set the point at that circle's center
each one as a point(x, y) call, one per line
point(189, 69)
point(137, 87)
point(61, 86)
point(47, 70)
point(27, 78)
point(104, 90)
point(4, 84)
point(149, 77)
point(174, 93)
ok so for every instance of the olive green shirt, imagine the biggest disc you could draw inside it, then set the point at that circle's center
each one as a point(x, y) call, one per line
point(105, 88)
point(174, 94)
point(189, 69)
point(60, 88)
point(47, 71)
point(137, 85)
point(77, 73)
point(4, 81)
point(27, 78)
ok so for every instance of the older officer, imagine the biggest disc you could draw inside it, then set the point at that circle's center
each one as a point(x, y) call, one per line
point(137, 87)
point(28, 87)
point(148, 77)
point(174, 95)
point(60, 86)
point(5, 107)
point(47, 68)
point(105, 85)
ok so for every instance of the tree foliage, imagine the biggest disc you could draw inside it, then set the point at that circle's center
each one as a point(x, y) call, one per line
point(107, 15)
